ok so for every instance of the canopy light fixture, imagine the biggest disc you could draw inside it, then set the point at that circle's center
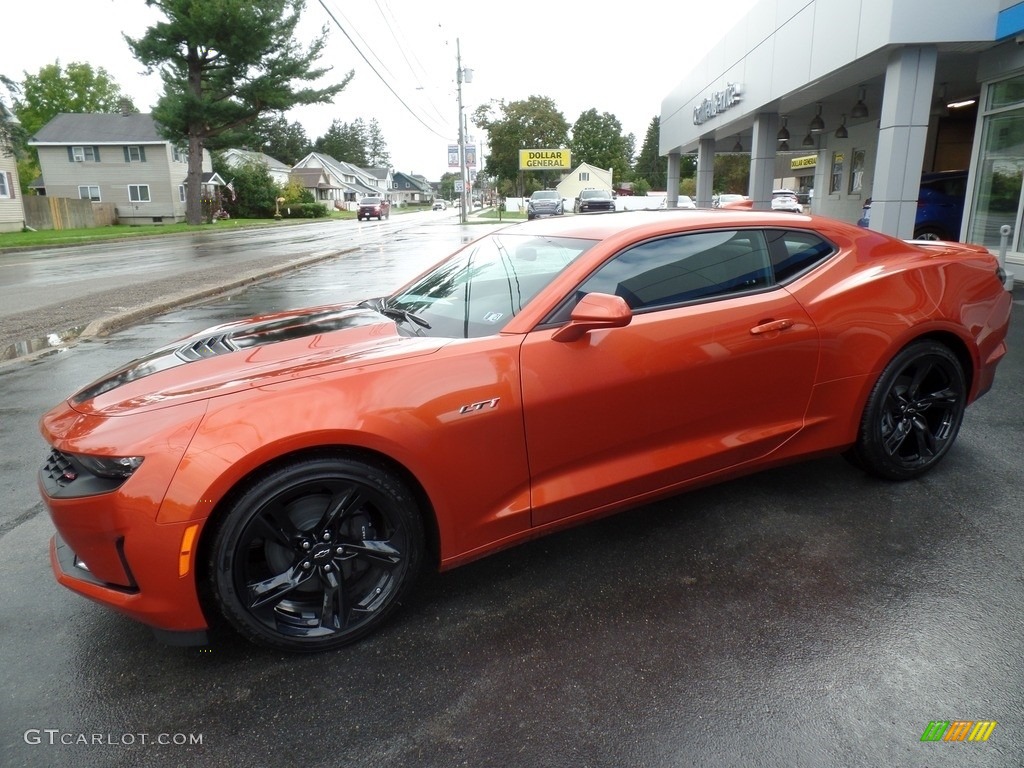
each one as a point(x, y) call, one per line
point(817, 124)
point(784, 132)
point(860, 109)
point(737, 147)
point(841, 132)
point(808, 140)
point(961, 104)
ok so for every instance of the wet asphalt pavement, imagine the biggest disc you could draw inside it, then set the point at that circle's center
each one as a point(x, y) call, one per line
point(804, 616)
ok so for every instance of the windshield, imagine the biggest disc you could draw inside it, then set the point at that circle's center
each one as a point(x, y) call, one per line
point(545, 194)
point(481, 288)
point(370, 201)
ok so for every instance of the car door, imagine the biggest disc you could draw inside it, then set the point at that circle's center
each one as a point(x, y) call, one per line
point(714, 370)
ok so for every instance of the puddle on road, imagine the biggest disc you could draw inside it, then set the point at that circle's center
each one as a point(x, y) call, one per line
point(52, 342)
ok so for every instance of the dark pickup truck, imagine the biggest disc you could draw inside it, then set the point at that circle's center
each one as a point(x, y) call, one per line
point(374, 207)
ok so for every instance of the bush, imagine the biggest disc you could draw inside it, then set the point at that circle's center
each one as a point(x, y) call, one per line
point(303, 210)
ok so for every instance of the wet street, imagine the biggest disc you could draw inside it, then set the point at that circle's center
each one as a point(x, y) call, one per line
point(804, 616)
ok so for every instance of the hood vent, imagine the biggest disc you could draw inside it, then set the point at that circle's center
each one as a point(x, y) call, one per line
point(208, 347)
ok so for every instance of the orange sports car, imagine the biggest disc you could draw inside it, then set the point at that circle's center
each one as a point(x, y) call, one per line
point(294, 472)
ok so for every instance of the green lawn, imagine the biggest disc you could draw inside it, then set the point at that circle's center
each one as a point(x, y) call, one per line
point(49, 237)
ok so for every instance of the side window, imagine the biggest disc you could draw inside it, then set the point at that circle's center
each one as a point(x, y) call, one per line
point(674, 270)
point(794, 252)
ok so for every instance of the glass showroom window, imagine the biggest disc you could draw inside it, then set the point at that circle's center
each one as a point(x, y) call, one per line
point(138, 193)
point(999, 175)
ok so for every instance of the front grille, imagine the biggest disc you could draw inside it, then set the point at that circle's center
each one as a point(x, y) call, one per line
point(58, 468)
point(204, 348)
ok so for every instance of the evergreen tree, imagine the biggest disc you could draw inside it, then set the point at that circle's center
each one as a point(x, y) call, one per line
point(224, 63)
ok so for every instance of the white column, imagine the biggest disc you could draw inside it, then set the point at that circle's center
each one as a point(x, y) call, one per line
point(672, 183)
point(902, 134)
point(705, 171)
point(762, 160)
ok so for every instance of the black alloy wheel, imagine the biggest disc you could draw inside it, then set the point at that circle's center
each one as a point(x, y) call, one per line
point(913, 413)
point(316, 554)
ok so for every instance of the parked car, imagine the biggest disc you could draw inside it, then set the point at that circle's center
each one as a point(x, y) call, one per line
point(685, 201)
point(593, 200)
point(374, 208)
point(544, 202)
point(293, 473)
point(736, 202)
point(727, 199)
point(440, 205)
point(786, 200)
point(940, 206)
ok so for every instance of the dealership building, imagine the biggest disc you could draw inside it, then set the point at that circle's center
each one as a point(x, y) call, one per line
point(845, 100)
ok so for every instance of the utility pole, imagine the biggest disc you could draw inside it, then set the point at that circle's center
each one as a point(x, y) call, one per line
point(460, 75)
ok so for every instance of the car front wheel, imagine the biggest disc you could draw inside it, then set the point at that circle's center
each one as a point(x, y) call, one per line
point(913, 413)
point(316, 554)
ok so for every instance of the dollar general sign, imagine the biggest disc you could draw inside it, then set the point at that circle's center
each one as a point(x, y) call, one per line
point(544, 159)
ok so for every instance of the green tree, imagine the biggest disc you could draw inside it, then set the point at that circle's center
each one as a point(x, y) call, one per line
point(223, 64)
point(10, 128)
point(274, 136)
point(446, 187)
point(75, 88)
point(649, 164)
point(255, 190)
point(345, 142)
point(732, 173)
point(377, 155)
point(597, 139)
point(534, 123)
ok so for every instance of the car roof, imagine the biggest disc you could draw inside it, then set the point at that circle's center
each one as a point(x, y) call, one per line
point(659, 221)
point(938, 175)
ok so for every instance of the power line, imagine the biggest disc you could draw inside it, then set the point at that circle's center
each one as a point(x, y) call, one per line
point(375, 70)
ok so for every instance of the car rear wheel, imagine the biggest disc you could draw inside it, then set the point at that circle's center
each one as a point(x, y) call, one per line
point(316, 554)
point(913, 414)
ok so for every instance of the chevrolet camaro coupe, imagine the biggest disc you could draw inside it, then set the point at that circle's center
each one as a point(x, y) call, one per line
point(293, 473)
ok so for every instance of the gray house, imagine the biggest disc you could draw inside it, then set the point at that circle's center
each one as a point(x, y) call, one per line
point(411, 188)
point(120, 159)
point(12, 210)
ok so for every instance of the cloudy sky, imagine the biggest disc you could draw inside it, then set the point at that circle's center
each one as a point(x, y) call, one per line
point(403, 53)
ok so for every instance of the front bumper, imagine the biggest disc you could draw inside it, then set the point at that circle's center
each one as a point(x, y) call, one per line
point(112, 545)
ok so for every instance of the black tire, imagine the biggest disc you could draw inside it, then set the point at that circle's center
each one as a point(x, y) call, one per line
point(913, 413)
point(930, 233)
point(316, 554)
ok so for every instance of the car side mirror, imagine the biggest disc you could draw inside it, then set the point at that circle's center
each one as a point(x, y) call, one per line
point(594, 311)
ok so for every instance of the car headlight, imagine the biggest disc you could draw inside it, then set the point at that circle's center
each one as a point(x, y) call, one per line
point(119, 467)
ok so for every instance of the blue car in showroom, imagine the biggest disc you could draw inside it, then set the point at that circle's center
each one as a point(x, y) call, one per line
point(940, 206)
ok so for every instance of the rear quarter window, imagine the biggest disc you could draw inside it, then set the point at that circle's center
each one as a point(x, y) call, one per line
point(793, 252)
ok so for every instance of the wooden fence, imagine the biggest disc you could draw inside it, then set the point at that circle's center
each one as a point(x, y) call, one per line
point(42, 212)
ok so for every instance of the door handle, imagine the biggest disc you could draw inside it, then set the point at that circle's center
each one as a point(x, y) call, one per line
point(771, 325)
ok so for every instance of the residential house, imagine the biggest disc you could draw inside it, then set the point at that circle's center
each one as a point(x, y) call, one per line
point(342, 185)
point(411, 189)
point(584, 176)
point(384, 179)
point(120, 159)
point(279, 172)
point(12, 210)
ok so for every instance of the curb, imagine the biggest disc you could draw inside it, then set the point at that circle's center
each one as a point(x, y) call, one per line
point(104, 326)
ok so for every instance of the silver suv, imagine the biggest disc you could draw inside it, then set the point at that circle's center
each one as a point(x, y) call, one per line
point(544, 202)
